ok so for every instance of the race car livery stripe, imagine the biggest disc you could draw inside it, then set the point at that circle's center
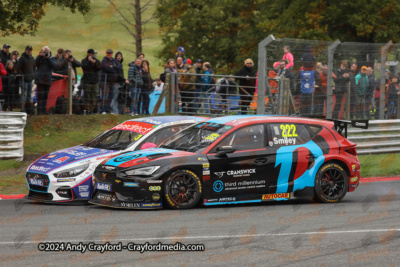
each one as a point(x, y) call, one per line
point(284, 157)
point(118, 160)
point(87, 178)
point(233, 202)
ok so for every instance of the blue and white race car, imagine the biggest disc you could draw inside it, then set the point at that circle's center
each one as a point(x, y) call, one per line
point(66, 175)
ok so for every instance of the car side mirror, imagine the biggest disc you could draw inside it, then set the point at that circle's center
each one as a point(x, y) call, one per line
point(223, 150)
point(148, 145)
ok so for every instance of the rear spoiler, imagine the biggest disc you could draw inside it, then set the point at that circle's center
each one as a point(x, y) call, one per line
point(341, 126)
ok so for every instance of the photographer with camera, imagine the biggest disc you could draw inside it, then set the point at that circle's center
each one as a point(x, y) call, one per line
point(44, 69)
point(91, 67)
point(73, 63)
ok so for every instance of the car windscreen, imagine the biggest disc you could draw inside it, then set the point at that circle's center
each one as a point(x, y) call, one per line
point(114, 140)
point(197, 137)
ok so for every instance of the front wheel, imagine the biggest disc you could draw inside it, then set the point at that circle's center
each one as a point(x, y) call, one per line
point(182, 190)
point(331, 183)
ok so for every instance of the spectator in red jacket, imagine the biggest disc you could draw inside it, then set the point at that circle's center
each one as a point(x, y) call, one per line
point(3, 72)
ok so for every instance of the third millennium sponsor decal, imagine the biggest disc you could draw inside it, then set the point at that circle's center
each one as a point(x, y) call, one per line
point(275, 196)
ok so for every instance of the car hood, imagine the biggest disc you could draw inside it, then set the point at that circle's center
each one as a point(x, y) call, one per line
point(143, 156)
point(68, 156)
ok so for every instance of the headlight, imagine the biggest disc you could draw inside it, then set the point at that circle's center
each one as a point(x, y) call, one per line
point(143, 171)
point(71, 172)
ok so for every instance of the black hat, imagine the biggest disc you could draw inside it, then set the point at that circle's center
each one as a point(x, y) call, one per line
point(6, 45)
point(90, 51)
point(28, 47)
point(198, 60)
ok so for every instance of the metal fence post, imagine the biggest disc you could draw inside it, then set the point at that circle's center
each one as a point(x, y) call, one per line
point(69, 91)
point(331, 51)
point(385, 49)
point(262, 75)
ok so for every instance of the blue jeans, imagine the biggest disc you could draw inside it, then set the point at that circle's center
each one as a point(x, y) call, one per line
point(135, 95)
point(201, 98)
point(105, 89)
point(27, 92)
point(114, 101)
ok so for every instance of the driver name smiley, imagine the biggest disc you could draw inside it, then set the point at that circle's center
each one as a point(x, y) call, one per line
point(284, 141)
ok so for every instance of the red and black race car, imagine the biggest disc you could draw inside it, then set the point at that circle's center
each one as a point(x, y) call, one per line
point(234, 159)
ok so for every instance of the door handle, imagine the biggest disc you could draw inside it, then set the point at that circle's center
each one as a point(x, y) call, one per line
point(261, 161)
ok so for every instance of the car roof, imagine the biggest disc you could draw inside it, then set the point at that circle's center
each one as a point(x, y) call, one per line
point(240, 120)
point(160, 120)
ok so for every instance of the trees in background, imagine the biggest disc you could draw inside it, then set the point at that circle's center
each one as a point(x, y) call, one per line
point(23, 17)
point(226, 32)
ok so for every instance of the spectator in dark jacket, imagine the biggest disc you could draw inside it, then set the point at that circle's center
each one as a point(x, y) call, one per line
point(146, 87)
point(135, 84)
point(10, 86)
point(353, 90)
point(5, 54)
point(341, 82)
point(121, 82)
point(91, 67)
point(109, 80)
point(73, 63)
point(199, 80)
point(45, 67)
point(60, 61)
point(393, 93)
point(247, 84)
point(26, 67)
point(3, 72)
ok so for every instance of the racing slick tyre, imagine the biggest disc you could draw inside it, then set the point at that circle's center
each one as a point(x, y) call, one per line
point(182, 189)
point(331, 183)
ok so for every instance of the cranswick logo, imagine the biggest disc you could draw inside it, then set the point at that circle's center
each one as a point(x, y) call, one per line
point(127, 158)
point(219, 174)
point(40, 168)
point(241, 172)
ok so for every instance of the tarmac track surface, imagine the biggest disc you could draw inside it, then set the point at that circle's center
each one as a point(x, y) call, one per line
point(363, 229)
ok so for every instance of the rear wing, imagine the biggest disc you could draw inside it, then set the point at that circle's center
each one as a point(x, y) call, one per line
point(341, 126)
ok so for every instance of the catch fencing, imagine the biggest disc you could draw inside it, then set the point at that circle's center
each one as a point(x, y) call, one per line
point(12, 126)
point(358, 94)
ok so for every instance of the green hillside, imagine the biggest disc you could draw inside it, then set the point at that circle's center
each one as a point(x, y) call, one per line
point(99, 29)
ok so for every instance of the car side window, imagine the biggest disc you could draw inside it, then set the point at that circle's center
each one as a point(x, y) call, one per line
point(162, 135)
point(245, 138)
point(289, 134)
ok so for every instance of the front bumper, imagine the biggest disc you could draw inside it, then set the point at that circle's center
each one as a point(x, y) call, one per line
point(45, 189)
point(133, 193)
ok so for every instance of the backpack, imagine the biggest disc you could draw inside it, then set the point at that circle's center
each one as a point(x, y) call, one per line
point(61, 105)
point(307, 79)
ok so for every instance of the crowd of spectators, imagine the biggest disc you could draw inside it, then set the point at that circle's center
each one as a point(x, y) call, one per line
point(309, 87)
point(104, 89)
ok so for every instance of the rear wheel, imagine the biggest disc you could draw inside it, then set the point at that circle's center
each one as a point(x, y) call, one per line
point(331, 183)
point(182, 189)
